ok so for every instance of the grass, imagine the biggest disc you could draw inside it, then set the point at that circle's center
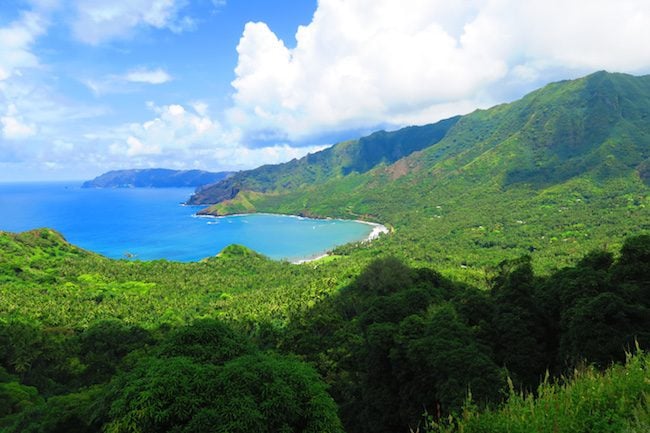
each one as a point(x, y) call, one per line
point(590, 401)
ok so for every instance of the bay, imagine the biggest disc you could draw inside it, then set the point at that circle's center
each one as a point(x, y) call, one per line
point(152, 224)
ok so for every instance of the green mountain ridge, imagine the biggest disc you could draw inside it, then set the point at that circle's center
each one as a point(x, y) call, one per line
point(551, 135)
point(354, 156)
point(155, 178)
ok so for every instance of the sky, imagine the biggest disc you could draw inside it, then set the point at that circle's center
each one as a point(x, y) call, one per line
point(88, 86)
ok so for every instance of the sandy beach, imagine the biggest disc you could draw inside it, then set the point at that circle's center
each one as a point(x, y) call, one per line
point(377, 230)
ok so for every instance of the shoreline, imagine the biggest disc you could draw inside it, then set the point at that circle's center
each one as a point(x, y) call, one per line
point(377, 230)
point(309, 259)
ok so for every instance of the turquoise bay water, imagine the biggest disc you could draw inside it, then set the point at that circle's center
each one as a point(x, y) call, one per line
point(152, 223)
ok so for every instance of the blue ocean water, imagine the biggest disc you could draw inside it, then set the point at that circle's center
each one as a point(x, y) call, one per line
point(152, 224)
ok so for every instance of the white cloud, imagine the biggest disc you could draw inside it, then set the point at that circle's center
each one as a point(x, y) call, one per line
point(174, 130)
point(149, 76)
point(16, 40)
point(200, 107)
point(137, 147)
point(98, 21)
point(361, 63)
point(245, 158)
point(185, 136)
point(14, 126)
point(126, 82)
point(178, 128)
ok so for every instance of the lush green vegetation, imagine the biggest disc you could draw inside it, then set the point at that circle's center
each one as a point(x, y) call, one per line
point(517, 272)
point(398, 339)
point(197, 378)
point(44, 278)
point(589, 401)
point(391, 343)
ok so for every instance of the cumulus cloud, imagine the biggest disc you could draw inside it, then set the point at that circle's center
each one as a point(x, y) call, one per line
point(176, 127)
point(98, 21)
point(366, 62)
point(185, 136)
point(175, 130)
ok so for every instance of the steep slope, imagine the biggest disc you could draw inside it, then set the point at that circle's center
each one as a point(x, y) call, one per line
point(560, 171)
point(343, 159)
point(155, 178)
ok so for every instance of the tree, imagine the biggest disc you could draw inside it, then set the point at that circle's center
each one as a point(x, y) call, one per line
point(258, 392)
point(105, 344)
point(206, 341)
point(437, 361)
point(602, 328)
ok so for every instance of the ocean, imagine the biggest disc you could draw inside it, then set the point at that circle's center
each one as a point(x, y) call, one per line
point(150, 224)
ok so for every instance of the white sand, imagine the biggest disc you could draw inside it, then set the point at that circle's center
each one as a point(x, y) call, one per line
point(377, 229)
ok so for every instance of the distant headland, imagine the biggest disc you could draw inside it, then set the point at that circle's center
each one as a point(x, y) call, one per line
point(155, 178)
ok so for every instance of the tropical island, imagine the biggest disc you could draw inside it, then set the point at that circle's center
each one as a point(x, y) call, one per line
point(511, 295)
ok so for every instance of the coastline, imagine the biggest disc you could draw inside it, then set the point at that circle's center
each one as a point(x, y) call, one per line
point(377, 230)
point(309, 259)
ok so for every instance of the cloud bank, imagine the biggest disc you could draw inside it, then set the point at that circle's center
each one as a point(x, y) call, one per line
point(361, 63)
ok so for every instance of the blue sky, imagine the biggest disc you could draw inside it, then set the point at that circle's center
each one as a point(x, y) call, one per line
point(88, 86)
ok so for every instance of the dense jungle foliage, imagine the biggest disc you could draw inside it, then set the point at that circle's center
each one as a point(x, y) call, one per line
point(123, 349)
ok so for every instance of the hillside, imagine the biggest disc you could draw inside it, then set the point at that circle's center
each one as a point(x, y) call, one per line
point(558, 172)
point(154, 178)
point(104, 345)
point(550, 136)
point(340, 160)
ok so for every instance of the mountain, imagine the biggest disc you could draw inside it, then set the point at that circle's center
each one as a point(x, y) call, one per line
point(549, 136)
point(563, 169)
point(340, 160)
point(154, 178)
